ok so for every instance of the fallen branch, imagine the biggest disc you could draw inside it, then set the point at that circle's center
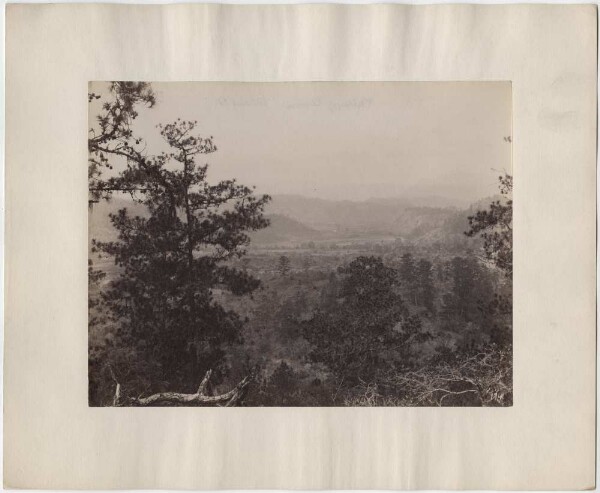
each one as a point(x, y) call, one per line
point(227, 399)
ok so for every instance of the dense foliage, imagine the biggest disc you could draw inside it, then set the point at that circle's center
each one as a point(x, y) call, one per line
point(405, 323)
point(494, 225)
point(369, 328)
point(161, 304)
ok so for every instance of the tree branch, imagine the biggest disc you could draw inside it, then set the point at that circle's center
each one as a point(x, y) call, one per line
point(228, 398)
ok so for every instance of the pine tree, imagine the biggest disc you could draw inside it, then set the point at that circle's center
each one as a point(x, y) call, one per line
point(171, 259)
point(494, 226)
point(408, 274)
point(110, 136)
point(283, 265)
point(368, 328)
point(425, 282)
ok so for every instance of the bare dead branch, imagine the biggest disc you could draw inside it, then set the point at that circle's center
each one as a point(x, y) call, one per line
point(228, 398)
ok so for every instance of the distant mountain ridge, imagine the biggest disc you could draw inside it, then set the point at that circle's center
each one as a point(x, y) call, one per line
point(284, 229)
point(299, 219)
point(380, 216)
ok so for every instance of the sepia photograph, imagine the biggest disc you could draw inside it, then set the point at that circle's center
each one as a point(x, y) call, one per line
point(320, 244)
point(305, 214)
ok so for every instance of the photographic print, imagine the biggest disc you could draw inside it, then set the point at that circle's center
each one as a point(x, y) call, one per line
point(300, 244)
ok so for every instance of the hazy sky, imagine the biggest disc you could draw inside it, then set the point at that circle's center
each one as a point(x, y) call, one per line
point(347, 140)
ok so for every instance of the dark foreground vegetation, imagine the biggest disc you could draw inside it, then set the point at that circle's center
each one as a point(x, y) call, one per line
point(184, 310)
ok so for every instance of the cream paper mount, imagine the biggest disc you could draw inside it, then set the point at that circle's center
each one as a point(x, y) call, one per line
point(546, 440)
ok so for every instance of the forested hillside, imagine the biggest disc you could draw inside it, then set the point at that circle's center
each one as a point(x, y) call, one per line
point(207, 293)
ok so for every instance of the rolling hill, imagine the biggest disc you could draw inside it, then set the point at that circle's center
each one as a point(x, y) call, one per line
point(301, 219)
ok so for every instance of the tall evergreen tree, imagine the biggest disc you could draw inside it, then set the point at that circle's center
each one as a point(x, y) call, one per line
point(171, 259)
point(283, 265)
point(426, 290)
point(369, 328)
point(408, 274)
point(494, 226)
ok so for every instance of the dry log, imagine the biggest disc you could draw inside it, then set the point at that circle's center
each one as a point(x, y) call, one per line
point(227, 399)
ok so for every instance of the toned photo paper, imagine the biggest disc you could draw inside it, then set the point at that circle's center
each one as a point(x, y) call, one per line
point(359, 256)
point(300, 247)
